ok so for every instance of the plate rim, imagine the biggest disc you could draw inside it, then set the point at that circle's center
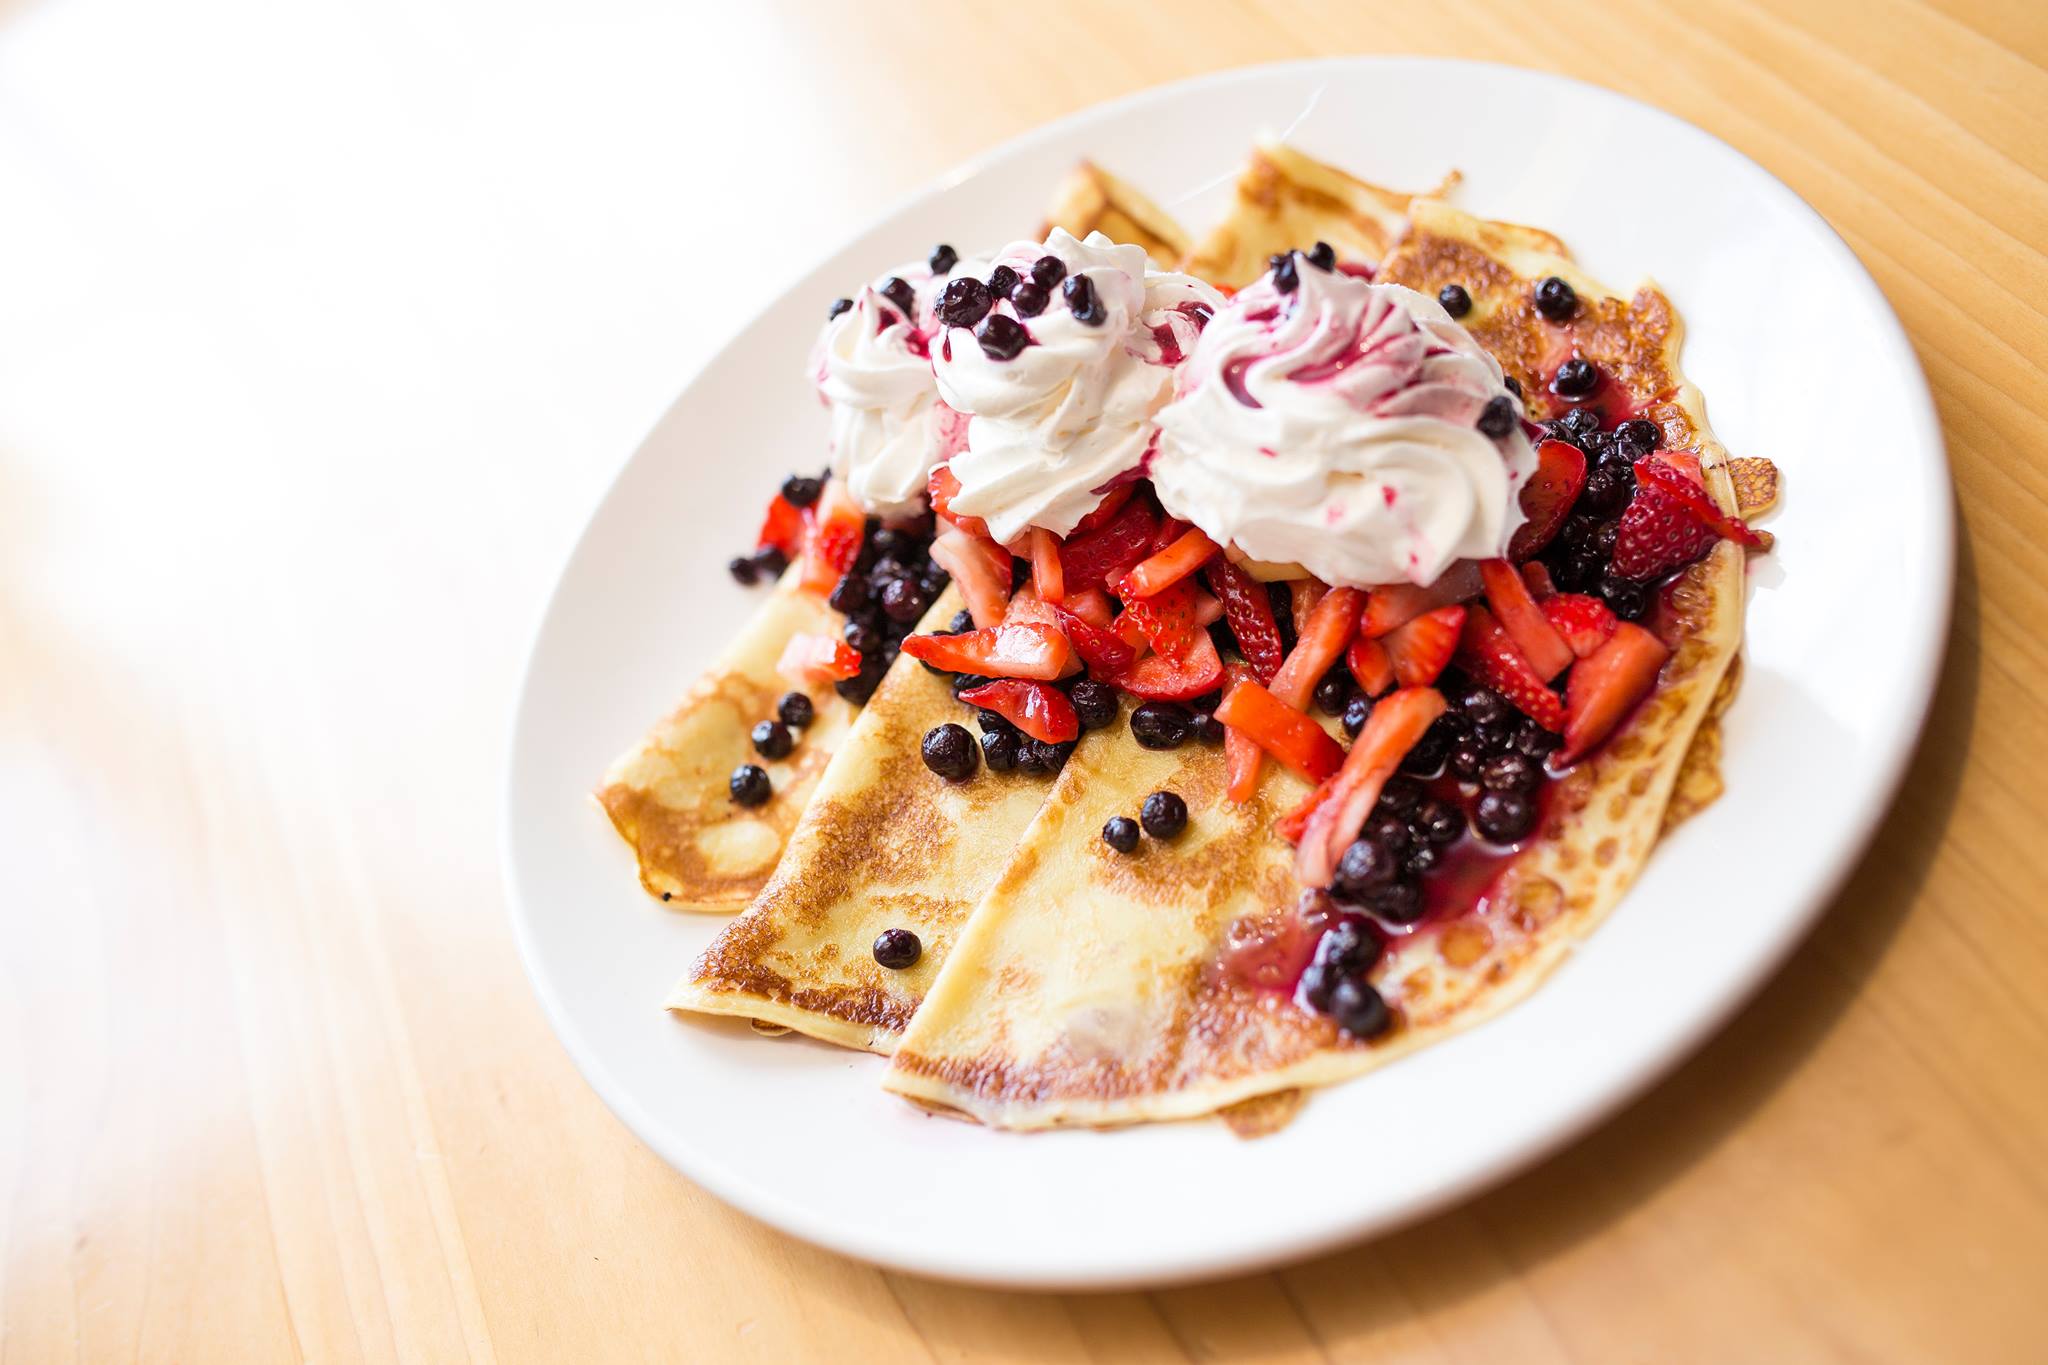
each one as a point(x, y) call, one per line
point(1616, 1089)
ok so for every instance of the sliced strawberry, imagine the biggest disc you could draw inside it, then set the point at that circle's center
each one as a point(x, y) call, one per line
point(1165, 618)
point(1241, 753)
point(1396, 604)
point(1092, 605)
point(1102, 556)
point(817, 659)
point(1208, 610)
point(1538, 578)
point(1422, 649)
point(1488, 653)
point(981, 568)
point(1523, 620)
point(1548, 496)
point(782, 528)
point(1304, 593)
point(1157, 677)
point(942, 488)
point(1249, 610)
point(1584, 622)
point(1170, 530)
point(1399, 720)
point(1188, 552)
point(837, 530)
point(1669, 523)
point(1686, 462)
point(1105, 653)
point(1114, 499)
point(1020, 650)
point(1319, 645)
point(1678, 471)
point(1046, 574)
point(1289, 736)
point(1039, 709)
point(1370, 664)
point(1606, 686)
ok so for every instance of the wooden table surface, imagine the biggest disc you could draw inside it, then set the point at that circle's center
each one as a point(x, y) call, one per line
point(322, 325)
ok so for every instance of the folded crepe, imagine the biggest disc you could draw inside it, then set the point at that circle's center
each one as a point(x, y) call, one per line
point(1094, 988)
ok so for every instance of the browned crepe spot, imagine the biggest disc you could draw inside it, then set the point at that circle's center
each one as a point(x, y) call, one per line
point(1756, 485)
point(1262, 1115)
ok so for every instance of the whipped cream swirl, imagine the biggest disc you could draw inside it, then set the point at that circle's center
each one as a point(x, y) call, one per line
point(1334, 427)
point(1055, 426)
point(872, 366)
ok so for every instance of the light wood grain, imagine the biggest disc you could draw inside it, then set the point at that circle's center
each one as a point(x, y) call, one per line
point(319, 326)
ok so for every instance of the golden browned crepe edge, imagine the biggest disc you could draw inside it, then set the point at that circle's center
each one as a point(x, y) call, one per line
point(1091, 199)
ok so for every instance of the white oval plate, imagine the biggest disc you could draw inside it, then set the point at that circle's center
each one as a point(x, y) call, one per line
point(1801, 360)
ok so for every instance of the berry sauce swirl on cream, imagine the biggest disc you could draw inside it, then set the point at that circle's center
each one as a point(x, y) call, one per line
point(1061, 356)
point(872, 366)
point(1351, 428)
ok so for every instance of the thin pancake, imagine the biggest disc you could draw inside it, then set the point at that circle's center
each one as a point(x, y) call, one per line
point(667, 795)
point(1285, 200)
point(1093, 990)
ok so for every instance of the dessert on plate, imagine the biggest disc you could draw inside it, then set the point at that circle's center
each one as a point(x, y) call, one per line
point(1277, 651)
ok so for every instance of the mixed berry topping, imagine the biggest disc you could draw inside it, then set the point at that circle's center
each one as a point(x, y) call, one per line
point(749, 784)
point(897, 949)
point(1556, 300)
point(1161, 724)
point(1454, 300)
point(943, 259)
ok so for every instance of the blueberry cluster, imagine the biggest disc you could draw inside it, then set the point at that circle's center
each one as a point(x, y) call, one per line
point(968, 302)
point(1404, 839)
point(768, 562)
point(773, 739)
point(1163, 816)
point(1334, 982)
point(1580, 558)
point(891, 585)
point(1170, 724)
point(1287, 274)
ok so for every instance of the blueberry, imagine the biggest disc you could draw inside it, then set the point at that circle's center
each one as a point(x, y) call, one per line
point(1163, 815)
point(1359, 1010)
point(1579, 423)
point(999, 750)
point(1398, 902)
point(1318, 979)
point(1048, 271)
point(849, 595)
point(1002, 337)
point(1438, 822)
point(1079, 292)
point(801, 491)
point(1555, 299)
point(1400, 796)
point(1497, 418)
point(1160, 724)
point(749, 784)
point(744, 571)
point(1467, 757)
point(1483, 704)
point(858, 688)
point(1323, 256)
point(891, 544)
point(1455, 300)
point(1421, 860)
point(769, 562)
point(1348, 947)
point(1333, 692)
point(943, 259)
point(963, 621)
point(897, 949)
point(1388, 830)
point(1356, 712)
point(949, 751)
point(1514, 385)
point(1504, 817)
point(1625, 597)
point(795, 710)
point(897, 290)
point(1095, 703)
point(964, 302)
point(1607, 490)
point(1206, 728)
point(904, 601)
point(1645, 434)
point(1511, 772)
point(862, 636)
point(772, 739)
point(992, 721)
point(1286, 278)
point(1121, 833)
point(1580, 570)
point(1001, 281)
point(1364, 864)
point(836, 307)
point(1532, 740)
point(1028, 299)
point(1428, 755)
point(965, 682)
point(1575, 378)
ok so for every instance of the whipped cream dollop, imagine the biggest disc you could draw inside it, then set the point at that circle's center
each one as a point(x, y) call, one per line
point(872, 365)
point(1335, 427)
point(1055, 425)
